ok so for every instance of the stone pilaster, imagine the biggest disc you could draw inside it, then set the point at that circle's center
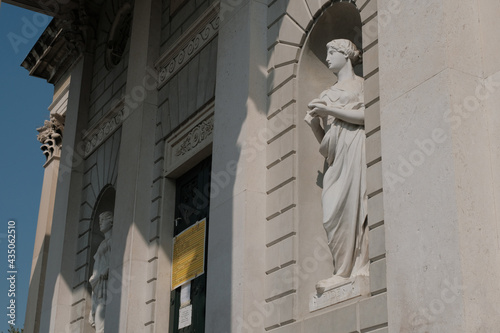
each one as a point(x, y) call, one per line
point(236, 239)
point(55, 314)
point(438, 161)
point(50, 135)
point(128, 311)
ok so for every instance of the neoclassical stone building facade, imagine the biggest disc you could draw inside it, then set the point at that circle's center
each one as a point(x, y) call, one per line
point(169, 113)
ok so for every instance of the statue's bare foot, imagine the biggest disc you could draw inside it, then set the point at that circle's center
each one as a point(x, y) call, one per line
point(330, 283)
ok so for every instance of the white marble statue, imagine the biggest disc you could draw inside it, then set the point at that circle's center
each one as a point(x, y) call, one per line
point(337, 120)
point(99, 278)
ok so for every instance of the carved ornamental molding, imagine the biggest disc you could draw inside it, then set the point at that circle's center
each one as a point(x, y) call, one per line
point(98, 133)
point(188, 45)
point(190, 141)
point(197, 135)
point(50, 136)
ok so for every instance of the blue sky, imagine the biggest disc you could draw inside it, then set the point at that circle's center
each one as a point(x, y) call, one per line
point(23, 107)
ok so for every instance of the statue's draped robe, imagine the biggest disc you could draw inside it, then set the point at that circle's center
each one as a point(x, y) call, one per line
point(99, 281)
point(344, 184)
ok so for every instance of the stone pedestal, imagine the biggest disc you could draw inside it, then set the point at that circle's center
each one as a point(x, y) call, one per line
point(357, 286)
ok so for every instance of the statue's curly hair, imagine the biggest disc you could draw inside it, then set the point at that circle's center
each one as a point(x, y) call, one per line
point(108, 214)
point(346, 47)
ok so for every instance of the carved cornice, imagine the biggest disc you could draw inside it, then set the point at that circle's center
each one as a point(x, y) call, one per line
point(50, 136)
point(98, 133)
point(188, 45)
point(70, 33)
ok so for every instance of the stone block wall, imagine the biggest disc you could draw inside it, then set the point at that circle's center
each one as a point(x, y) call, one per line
point(100, 157)
point(100, 170)
point(108, 85)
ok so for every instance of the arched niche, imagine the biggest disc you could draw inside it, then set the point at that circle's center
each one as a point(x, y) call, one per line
point(340, 20)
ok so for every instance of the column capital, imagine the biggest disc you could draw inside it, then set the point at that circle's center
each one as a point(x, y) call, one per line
point(50, 136)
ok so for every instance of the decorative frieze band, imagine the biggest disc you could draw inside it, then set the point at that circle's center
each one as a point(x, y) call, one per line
point(190, 140)
point(188, 45)
point(103, 129)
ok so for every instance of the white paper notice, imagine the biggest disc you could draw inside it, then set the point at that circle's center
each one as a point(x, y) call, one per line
point(185, 315)
point(185, 294)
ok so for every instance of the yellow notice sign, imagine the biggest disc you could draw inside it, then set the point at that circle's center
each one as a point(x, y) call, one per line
point(189, 254)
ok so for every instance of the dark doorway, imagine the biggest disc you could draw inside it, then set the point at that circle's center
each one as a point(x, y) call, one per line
point(192, 202)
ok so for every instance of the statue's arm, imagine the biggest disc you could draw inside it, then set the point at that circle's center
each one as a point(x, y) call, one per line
point(95, 275)
point(351, 115)
point(315, 124)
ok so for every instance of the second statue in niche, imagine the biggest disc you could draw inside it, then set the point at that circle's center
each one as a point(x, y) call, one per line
point(337, 121)
point(99, 278)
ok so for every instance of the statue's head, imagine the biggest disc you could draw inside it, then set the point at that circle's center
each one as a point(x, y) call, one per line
point(106, 221)
point(344, 47)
